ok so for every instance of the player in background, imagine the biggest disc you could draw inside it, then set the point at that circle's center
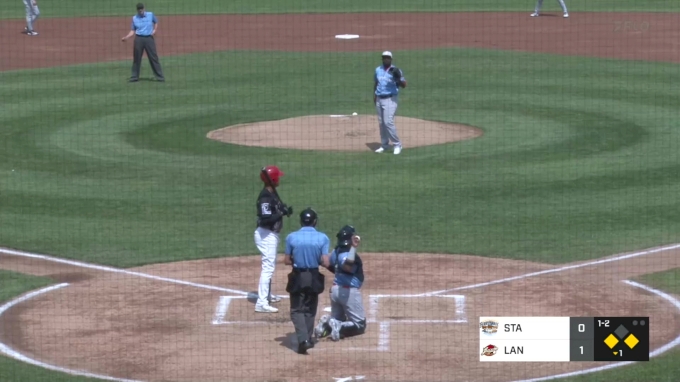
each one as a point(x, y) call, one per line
point(32, 14)
point(539, 4)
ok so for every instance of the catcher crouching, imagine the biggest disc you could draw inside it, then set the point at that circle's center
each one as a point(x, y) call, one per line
point(348, 317)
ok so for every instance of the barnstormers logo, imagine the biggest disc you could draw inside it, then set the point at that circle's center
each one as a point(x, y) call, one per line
point(489, 350)
point(489, 326)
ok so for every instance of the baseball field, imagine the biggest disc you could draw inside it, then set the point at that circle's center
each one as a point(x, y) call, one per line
point(540, 176)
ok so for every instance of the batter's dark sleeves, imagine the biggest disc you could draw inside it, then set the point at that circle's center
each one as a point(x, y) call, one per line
point(147, 44)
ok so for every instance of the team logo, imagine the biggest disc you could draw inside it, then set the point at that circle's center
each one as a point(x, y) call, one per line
point(489, 326)
point(489, 350)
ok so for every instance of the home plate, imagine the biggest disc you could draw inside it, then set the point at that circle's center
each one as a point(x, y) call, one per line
point(327, 309)
point(346, 36)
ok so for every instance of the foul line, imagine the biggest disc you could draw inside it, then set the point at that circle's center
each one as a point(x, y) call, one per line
point(384, 337)
point(555, 270)
point(655, 353)
point(118, 270)
point(4, 349)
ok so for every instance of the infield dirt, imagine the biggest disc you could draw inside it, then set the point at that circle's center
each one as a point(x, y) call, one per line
point(349, 133)
point(130, 327)
point(632, 36)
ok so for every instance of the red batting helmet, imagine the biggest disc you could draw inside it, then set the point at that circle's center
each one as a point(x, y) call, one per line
point(273, 173)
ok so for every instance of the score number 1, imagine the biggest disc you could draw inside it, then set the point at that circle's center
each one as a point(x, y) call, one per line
point(581, 329)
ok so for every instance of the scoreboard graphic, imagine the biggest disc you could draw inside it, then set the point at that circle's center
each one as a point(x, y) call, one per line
point(563, 339)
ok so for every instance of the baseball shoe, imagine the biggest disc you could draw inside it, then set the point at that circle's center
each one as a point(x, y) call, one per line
point(380, 150)
point(265, 309)
point(133, 80)
point(321, 329)
point(397, 150)
point(274, 299)
point(32, 33)
point(335, 329)
point(304, 346)
point(535, 14)
point(566, 15)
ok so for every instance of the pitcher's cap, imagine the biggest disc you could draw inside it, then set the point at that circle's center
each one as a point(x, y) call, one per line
point(387, 53)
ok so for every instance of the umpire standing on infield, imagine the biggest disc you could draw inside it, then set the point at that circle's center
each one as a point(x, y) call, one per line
point(306, 249)
point(143, 27)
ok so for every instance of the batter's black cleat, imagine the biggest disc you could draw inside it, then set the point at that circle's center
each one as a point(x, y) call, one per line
point(303, 347)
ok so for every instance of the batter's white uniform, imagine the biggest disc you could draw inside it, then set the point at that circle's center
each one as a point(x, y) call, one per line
point(32, 13)
point(267, 243)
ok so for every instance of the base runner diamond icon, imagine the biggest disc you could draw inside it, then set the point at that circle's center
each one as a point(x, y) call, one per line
point(631, 341)
point(611, 341)
point(621, 331)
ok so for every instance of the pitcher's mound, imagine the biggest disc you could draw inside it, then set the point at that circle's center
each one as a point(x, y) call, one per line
point(340, 133)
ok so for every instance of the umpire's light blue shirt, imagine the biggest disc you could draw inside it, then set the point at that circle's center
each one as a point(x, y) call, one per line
point(306, 245)
point(386, 84)
point(344, 279)
point(143, 25)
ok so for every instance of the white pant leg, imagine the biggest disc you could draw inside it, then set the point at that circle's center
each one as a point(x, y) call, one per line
point(267, 243)
point(384, 139)
point(564, 6)
point(390, 107)
point(539, 4)
point(32, 13)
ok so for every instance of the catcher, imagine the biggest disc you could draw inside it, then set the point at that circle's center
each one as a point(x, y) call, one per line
point(347, 311)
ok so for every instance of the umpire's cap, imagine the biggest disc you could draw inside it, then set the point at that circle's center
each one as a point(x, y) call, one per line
point(345, 236)
point(140, 6)
point(308, 217)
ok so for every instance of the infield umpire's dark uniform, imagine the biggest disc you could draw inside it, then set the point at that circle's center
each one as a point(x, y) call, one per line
point(306, 249)
point(143, 24)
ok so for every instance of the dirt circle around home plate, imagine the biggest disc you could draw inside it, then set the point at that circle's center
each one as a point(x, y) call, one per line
point(205, 328)
point(341, 133)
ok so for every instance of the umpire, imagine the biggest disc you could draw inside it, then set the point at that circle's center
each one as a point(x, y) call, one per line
point(143, 27)
point(306, 249)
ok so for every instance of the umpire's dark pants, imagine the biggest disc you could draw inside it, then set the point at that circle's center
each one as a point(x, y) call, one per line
point(142, 44)
point(303, 314)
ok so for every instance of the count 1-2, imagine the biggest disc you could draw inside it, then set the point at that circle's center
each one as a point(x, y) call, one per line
point(604, 323)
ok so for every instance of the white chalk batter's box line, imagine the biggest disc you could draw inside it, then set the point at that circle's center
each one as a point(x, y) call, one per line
point(225, 301)
point(384, 325)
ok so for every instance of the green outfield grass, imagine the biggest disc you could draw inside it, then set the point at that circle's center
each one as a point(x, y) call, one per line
point(13, 284)
point(579, 157)
point(73, 8)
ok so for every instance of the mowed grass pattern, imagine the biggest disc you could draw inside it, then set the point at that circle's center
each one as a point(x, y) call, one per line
point(578, 159)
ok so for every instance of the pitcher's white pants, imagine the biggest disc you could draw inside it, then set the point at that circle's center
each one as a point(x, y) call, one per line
point(267, 243)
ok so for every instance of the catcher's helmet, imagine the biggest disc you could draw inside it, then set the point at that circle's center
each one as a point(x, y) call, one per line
point(273, 173)
point(345, 236)
point(308, 217)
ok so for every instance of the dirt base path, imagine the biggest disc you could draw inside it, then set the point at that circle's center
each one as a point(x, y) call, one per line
point(128, 326)
point(342, 133)
point(646, 36)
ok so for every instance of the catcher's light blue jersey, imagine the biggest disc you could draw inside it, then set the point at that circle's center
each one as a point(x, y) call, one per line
point(341, 278)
